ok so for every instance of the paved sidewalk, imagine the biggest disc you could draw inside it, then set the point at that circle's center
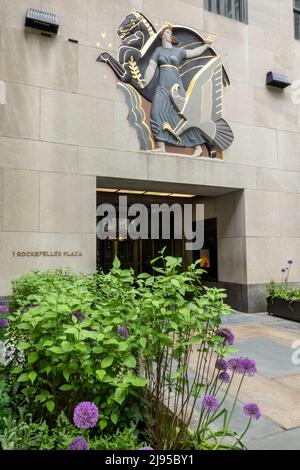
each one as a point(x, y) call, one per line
point(276, 388)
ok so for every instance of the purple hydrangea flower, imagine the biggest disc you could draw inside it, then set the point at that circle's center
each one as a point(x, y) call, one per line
point(225, 377)
point(79, 315)
point(228, 336)
point(123, 331)
point(4, 323)
point(290, 261)
point(252, 410)
point(79, 443)
point(146, 448)
point(86, 415)
point(210, 403)
point(221, 364)
point(4, 309)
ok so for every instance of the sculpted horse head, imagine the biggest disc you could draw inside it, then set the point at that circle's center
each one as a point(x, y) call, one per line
point(133, 23)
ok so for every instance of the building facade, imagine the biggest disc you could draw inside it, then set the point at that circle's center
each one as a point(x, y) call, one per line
point(64, 134)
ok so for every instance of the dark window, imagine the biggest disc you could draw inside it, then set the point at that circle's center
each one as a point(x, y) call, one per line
point(234, 9)
point(297, 18)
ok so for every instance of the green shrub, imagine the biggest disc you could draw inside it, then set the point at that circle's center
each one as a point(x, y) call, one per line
point(282, 291)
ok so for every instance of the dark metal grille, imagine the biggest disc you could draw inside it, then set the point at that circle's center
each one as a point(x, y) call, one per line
point(234, 9)
point(297, 18)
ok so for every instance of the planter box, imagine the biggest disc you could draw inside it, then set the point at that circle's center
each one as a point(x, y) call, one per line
point(284, 308)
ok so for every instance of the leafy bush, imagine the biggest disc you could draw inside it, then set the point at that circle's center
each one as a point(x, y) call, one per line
point(283, 292)
point(142, 349)
point(74, 349)
point(23, 433)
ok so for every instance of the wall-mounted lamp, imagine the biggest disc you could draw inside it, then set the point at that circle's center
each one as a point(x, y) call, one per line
point(277, 80)
point(41, 22)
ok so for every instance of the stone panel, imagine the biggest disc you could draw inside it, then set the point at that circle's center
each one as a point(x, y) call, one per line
point(13, 12)
point(37, 155)
point(289, 215)
point(109, 163)
point(37, 60)
point(68, 203)
point(232, 260)
point(262, 214)
point(278, 180)
point(266, 256)
point(1, 198)
point(223, 174)
point(22, 111)
point(50, 242)
point(125, 135)
point(176, 169)
point(231, 215)
point(289, 150)
point(72, 17)
point(20, 201)
point(95, 78)
point(77, 120)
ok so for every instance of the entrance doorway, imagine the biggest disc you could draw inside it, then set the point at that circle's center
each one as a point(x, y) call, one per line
point(138, 254)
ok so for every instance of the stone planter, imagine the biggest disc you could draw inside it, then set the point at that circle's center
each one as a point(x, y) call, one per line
point(284, 308)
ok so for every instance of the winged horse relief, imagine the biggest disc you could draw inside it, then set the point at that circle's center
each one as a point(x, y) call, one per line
point(178, 75)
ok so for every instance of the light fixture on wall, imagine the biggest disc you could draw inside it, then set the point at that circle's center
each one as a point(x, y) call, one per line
point(42, 22)
point(277, 80)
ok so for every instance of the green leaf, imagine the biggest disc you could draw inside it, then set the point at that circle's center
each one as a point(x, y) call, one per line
point(130, 361)
point(56, 350)
point(23, 345)
point(16, 370)
point(32, 357)
point(103, 424)
point(23, 378)
point(50, 405)
point(66, 374)
point(65, 388)
point(120, 395)
point(114, 418)
point(107, 362)
point(100, 374)
point(139, 381)
point(32, 376)
point(143, 342)
point(123, 346)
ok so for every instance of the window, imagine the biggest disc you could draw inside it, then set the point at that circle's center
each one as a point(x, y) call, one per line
point(234, 9)
point(297, 18)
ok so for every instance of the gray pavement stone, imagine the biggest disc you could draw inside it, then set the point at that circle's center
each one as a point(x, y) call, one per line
point(273, 359)
point(285, 440)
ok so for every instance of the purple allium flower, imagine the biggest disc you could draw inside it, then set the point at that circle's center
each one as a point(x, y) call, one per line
point(235, 366)
point(228, 336)
point(146, 448)
point(123, 331)
point(210, 403)
point(243, 366)
point(86, 415)
point(79, 443)
point(252, 410)
point(224, 377)
point(221, 364)
point(4, 309)
point(290, 261)
point(3, 323)
point(249, 366)
point(283, 270)
point(79, 315)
